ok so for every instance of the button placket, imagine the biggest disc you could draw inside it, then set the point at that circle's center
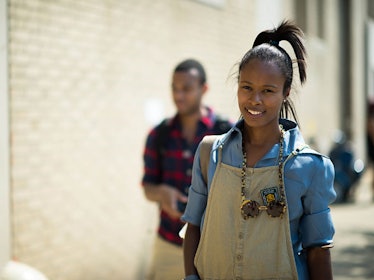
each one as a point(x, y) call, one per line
point(238, 266)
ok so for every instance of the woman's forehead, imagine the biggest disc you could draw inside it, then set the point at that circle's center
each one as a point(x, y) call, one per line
point(261, 67)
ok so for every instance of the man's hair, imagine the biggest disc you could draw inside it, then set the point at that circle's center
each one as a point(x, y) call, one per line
point(189, 64)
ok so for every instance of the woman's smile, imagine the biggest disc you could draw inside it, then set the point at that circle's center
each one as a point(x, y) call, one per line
point(255, 112)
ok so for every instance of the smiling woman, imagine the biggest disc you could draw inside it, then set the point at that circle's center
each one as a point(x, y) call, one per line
point(262, 165)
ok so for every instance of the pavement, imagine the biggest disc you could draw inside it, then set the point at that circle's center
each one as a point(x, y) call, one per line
point(353, 254)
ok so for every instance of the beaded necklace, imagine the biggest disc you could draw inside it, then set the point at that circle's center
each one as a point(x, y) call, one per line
point(251, 208)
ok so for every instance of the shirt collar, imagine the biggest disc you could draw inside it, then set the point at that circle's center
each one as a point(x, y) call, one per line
point(209, 118)
point(292, 138)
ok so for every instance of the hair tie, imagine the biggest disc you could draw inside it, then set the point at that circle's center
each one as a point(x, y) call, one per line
point(274, 43)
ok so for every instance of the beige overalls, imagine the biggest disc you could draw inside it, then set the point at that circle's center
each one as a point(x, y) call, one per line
point(233, 248)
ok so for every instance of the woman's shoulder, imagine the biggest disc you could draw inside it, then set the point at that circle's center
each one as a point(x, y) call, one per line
point(231, 136)
point(310, 161)
point(296, 145)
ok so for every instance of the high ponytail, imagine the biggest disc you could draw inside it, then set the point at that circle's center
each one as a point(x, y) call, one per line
point(291, 33)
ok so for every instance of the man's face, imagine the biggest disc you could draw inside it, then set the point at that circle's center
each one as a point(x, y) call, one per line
point(187, 91)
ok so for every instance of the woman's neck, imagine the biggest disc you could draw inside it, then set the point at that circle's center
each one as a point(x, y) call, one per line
point(257, 142)
point(261, 136)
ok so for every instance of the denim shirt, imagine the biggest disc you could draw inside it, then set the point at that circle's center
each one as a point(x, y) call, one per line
point(308, 179)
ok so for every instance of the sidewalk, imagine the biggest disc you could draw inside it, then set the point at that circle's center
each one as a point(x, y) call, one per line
point(353, 254)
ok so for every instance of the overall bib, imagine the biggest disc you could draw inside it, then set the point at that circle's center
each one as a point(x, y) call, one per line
point(233, 248)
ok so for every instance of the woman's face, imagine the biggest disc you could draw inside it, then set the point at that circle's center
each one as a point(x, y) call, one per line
point(260, 93)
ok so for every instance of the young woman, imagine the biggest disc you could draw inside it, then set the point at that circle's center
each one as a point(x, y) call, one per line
point(264, 211)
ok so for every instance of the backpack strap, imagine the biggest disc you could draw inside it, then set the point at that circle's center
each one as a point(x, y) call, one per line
point(205, 149)
point(221, 125)
point(162, 131)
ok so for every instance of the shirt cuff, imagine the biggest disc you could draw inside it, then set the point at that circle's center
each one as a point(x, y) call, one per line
point(191, 277)
point(317, 229)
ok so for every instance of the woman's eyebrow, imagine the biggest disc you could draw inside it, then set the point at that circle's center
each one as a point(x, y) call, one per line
point(267, 85)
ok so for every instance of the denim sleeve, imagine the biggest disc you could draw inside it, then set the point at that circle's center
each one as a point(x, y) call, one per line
point(197, 194)
point(316, 226)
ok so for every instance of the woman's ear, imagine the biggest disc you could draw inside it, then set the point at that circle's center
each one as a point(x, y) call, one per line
point(287, 92)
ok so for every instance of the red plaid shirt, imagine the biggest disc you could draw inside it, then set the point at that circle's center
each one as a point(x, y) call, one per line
point(174, 166)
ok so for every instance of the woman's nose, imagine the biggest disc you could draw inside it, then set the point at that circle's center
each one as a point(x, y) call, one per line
point(255, 97)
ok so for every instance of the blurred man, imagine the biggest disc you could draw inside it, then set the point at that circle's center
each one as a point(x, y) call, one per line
point(168, 159)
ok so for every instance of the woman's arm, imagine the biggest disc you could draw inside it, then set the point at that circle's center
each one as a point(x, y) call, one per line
point(319, 263)
point(190, 244)
point(316, 226)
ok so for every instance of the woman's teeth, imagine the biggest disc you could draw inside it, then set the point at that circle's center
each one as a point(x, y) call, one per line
point(254, 112)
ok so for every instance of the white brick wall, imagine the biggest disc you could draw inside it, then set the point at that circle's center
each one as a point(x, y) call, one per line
point(5, 242)
point(80, 74)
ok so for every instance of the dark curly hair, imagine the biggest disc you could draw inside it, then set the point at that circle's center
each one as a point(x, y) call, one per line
point(189, 64)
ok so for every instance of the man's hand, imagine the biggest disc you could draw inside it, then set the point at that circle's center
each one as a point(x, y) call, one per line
point(167, 197)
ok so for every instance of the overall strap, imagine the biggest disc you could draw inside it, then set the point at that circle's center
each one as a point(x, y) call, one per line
point(205, 149)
